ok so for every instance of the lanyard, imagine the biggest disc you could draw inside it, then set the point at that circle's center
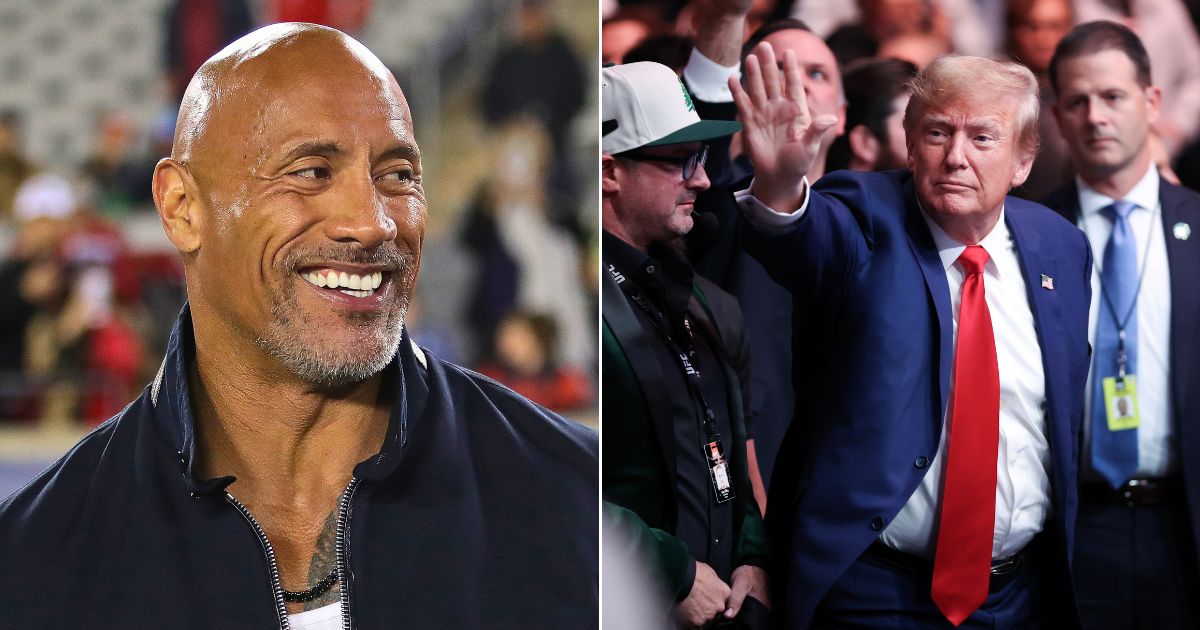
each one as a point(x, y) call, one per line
point(684, 356)
point(1122, 322)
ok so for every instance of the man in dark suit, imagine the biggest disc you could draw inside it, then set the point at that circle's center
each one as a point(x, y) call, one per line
point(943, 352)
point(675, 468)
point(1136, 539)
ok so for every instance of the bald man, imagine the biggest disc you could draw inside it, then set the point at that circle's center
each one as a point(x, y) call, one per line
point(299, 461)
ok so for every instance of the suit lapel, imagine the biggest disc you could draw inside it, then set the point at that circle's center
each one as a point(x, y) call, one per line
point(1183, 259)
point(635, 343)
point(1036, 262)
point(926, 253)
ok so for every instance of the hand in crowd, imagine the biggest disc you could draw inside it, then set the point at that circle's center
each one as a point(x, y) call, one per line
point(779, 134)
point(747, 580)
point(706, 600)
point(719, 27)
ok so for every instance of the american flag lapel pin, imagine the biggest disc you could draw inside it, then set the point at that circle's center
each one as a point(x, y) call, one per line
point(1047, 282)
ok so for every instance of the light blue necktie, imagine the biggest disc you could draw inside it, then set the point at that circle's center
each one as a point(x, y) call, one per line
point(1115, 453)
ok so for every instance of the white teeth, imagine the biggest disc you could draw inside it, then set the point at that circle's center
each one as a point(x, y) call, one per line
point(350, 284)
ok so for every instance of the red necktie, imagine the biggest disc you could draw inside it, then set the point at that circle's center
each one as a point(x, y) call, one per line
point(962, 564)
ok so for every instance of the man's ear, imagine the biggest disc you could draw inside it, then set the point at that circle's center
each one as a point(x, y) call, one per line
point(1153, 103)
point(1024, 165)
point(608, 176)
point(175, 196)
point(864, 146)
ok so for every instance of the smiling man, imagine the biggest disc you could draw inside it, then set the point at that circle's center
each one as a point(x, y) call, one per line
point(943, 353)
point(299, 461)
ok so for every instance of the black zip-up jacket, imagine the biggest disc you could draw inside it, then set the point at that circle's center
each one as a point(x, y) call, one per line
point(480, 511)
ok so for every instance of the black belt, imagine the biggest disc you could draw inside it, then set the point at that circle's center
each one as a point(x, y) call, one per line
point(1133, 493)
point(1004, 570)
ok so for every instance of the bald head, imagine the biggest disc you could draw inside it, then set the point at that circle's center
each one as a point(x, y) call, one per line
point(294, 193)
point(232, 91)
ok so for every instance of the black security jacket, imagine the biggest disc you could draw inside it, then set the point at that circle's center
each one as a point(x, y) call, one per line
point(480, 511)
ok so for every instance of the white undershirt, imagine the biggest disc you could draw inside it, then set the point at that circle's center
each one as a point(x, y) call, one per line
point(1156, 435)
point(323, 618)
point(1023, 457)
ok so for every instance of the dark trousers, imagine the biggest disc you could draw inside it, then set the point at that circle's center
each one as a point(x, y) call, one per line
point(1135, 567)
point(888, 591)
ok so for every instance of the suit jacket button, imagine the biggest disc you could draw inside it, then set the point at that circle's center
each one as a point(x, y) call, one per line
point(921, 462)
point(877, 523)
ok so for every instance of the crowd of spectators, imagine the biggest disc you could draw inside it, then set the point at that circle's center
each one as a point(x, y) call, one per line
point(79, 305)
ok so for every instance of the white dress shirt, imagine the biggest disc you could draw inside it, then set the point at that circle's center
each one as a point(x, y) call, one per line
point(1156, 433)
point(708, 80)
point(1023, 454)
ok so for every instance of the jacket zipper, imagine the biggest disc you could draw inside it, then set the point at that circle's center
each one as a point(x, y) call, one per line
point(342, 546)
point(276, 586)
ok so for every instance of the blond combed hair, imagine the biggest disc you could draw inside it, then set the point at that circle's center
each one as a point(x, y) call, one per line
point(957, 78)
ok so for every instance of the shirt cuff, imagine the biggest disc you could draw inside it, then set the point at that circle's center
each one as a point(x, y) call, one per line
point(766, 219)
point(708, 80)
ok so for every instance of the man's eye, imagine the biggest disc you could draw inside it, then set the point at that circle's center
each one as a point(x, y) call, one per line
point(818, 75)
point(402, 175)
point(983, 138)
point(315, 172)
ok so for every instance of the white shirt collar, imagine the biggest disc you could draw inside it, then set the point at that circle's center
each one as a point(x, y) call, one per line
point(1144, 194)
point(949, 248)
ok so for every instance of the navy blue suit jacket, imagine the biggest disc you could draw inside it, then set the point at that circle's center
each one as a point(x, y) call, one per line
point(1179, 205)
point(876, 346)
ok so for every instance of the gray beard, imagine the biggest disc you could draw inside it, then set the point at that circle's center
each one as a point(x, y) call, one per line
point(299, 345)
point(329, 369)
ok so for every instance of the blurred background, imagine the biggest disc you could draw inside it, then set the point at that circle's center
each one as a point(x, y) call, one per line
point(504, 105)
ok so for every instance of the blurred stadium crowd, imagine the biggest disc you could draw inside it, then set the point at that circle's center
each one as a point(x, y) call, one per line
point(504, 110)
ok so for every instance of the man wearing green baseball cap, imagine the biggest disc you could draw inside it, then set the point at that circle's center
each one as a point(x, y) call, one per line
point(675, 355)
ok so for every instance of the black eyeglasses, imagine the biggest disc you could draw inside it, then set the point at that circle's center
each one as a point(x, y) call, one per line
point(690, 163)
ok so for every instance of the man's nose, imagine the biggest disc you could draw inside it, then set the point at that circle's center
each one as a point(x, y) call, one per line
point(956, 152)
point(360, 215)
point(1095, 111)
point(699, 179)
